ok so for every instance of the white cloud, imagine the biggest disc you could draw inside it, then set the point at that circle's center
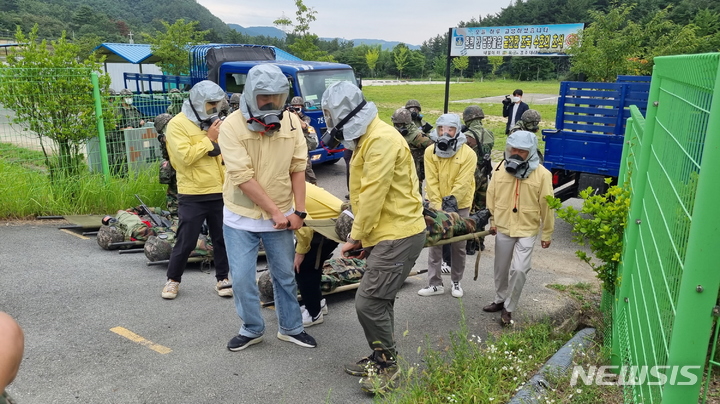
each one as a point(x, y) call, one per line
point(409, 22)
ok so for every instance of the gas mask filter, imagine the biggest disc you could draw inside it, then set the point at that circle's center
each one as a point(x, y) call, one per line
point(334, 136)
point(515, 163)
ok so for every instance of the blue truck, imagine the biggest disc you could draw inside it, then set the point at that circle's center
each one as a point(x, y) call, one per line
point(228, 65)
point(586, 145)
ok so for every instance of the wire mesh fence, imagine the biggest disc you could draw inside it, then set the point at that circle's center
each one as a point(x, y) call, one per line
point(663, 310)
point(59, 131)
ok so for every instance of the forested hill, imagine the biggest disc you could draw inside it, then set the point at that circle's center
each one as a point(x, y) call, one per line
point(111, 20)
point(577, 11)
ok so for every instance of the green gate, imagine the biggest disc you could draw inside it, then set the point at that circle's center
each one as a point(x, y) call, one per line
point(669, 277)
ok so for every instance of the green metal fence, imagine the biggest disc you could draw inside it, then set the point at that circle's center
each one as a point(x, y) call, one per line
point(669, 279)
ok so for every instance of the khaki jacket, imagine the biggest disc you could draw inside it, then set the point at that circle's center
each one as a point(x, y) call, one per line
point(450, 176)
point(267, 159)
point(383, 187)
point(320, 204)
point(188, 147)
point(532, 208)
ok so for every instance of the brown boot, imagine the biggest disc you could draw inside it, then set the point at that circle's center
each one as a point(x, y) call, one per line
point(506, 317)
point(493, 307)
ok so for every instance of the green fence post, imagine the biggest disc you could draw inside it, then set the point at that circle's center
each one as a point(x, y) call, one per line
point(100, 125)
point(627, 269)
point(629, 131)
point(700, 277)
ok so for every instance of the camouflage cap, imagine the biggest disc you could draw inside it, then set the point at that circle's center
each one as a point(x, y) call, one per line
point(235, 99)
point(473, 112)
point(224, 106)
point(344, 223)
point(413, 103)
point(265, 287)
point(112, 91)
point(174, 90)
point(125, 91)
point(161, 121)
point(401, 115)
point(108, 235)
point(157, 249)
point(297, 100)
point(530, 115)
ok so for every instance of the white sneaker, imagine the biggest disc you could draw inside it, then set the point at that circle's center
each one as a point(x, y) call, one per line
point(445, 268)
point(309, 321)
point(224, 288)
point(431, 290)
point(457, 290)
point(323, 307)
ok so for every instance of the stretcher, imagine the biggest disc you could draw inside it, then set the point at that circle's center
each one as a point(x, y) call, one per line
point(326, 227)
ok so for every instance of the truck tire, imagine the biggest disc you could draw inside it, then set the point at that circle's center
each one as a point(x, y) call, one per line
point(596, 182)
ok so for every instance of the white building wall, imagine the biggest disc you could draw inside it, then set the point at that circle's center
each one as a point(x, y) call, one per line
point(116, 71)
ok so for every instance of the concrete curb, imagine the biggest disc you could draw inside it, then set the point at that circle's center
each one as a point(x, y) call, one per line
point(558, 363)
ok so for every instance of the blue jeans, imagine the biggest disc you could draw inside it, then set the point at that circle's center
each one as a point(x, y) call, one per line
point(242, 249)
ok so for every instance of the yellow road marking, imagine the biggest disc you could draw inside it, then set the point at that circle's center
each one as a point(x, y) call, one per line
point(140, 340)
point(75, 234)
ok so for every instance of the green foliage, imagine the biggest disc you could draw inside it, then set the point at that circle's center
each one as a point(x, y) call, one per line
point(51, 94)
point(86, 193)
point(401, 55)
point(371, 58)
point(495, 62)
point(600, 224)
point(470, 370)
point(172, 46)
point(461, 63)
point(304, 44)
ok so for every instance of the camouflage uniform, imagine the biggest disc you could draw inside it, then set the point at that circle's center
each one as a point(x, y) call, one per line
point(530, 122)
point(128, 117)
point(167, 172)
point(310, 138)
point(415, 138)
point(176, 99)
point(482, 142)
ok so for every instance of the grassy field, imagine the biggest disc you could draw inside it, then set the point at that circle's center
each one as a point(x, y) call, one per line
point(432, 99)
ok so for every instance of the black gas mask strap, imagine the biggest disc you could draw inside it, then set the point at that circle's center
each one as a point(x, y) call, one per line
point(194, 111)
point(350, 115)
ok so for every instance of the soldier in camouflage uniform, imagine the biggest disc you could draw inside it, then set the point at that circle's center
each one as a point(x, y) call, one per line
point(296, 106)
point(481, 141)
point(416, 139)
point(234, 102)
point(529, 121)
point(176, 99)
point(417, 119)
point(128, 117)
point(167, 172)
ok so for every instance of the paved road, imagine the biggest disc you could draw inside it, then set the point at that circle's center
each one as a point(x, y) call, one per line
point(69, 295)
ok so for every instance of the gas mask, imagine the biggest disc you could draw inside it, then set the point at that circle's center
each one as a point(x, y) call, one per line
point(515, 164)
point(416, 115)
point(445, 143)
point(268, 123)
point(402, 129)
point(205, 124)
point(128, 101)
point(334, 135)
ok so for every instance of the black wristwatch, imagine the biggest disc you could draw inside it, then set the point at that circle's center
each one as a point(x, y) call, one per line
point(300, 213)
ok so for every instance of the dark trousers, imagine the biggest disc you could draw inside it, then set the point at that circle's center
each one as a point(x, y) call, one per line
point(308, 279)
point(388, 266)
point(193, 210)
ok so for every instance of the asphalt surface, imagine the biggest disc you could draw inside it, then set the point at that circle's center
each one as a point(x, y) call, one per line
point(70, 297)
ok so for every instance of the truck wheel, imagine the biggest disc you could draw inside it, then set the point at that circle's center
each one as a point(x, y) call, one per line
point(597, 182)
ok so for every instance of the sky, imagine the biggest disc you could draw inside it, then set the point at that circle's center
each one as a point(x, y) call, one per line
point(411, 22)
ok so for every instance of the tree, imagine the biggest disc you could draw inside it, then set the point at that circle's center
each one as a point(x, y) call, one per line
point(604, 48)
point(461, 63)
point(172, 46)
point(304, 43)
point(439, 65)
point(401, 54)
point(371, 58)
point(495, 62)
point(51, 94)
